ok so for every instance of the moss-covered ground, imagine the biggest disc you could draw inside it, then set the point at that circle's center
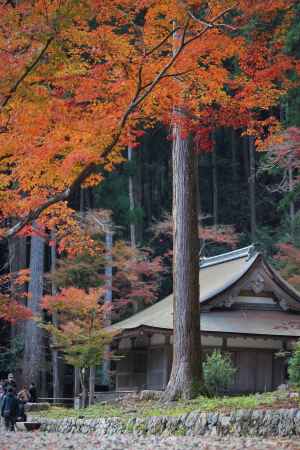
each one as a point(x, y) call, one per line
point(131, 407)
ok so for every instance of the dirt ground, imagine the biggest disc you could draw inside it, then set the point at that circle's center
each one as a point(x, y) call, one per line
point(58, 441)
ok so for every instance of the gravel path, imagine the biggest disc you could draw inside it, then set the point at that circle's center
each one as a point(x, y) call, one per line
point(58, 441)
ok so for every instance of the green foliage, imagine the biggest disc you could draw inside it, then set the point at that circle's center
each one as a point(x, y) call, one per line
point(135, 216)
point(218, 373)
point(80, 349)
point(83, 271)
point(10, 356)
point(294, 366)
point(293, 35)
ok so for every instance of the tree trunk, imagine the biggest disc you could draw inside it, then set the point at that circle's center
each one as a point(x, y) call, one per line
point(245, 144)
point(55, 358)
point(186, 376)
point(108, 298)
point(215, 181)
point(131, 202)
point(17, 262)
point(234, 163)
point(138, 197)
point(34, 361)
point(292, 203)
point(252, 188)
point(92, 386)
point(76, 382)
point(82, 377)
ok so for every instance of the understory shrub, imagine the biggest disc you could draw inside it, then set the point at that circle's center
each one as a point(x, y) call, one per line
point(218, 373)
point(294, 366)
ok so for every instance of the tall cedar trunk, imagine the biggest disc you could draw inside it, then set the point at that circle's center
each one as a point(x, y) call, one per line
point(131, 202)
point(17, 262)
point(34, 357)
point(108, 297)
point(147, 200)
point(56, 369)
point(215, 181)
point(138, 197)
point(132, 224)
point(292, 203)
point(77, 380)
point(252, 185)
point(245, 145)
point(283, 116)
point(234, 163)
point(185, 377)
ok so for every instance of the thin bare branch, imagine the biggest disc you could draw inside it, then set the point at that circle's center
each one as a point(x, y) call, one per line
point(27, 71)
point(162, 42)
point(169, 75)
point(212, 24)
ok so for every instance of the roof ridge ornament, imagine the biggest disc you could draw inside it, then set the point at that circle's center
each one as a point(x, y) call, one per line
point(247, 252)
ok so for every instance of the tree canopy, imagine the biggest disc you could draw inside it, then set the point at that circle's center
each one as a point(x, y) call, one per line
point(79, 79)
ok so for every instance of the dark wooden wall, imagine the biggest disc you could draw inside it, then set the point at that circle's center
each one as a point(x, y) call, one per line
point(257, 370)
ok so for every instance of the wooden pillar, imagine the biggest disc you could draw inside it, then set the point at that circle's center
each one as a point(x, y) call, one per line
point(168, 360)
point(224, 344)
point(133, 342)
point(148, 360)
point(76, 382)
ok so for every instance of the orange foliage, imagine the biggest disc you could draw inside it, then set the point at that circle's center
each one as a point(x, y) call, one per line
point(13, 311)
point(77, 76)
point(74, 302)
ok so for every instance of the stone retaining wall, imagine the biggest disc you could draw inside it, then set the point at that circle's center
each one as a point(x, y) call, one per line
point(281, 422)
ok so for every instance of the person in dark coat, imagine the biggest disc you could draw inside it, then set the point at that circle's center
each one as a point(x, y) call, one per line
point(33, 393)
point(10, 383)
point(10, 409)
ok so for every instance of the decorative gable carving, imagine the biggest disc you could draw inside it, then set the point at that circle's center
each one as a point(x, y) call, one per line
point(257, 283)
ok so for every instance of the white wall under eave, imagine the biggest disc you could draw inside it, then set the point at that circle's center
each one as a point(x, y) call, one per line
point(158, 339)
point(239, 342)
point(125, 343)
point(215, 341)
point(211, 341)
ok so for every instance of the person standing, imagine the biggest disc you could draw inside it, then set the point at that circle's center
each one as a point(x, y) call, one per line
point(10, 409)
point(10, 383)
point(23, 397)
point(33, 393)
point(2, 393)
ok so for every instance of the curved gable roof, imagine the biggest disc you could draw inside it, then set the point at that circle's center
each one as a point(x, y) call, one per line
point(216, 275)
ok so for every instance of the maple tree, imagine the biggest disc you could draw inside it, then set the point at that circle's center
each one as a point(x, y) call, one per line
point(135, 272)
point(289, 258)
point(11, 309)
point(220, 234)
point(89, 72)
point(283, 159)
point(80, 332)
